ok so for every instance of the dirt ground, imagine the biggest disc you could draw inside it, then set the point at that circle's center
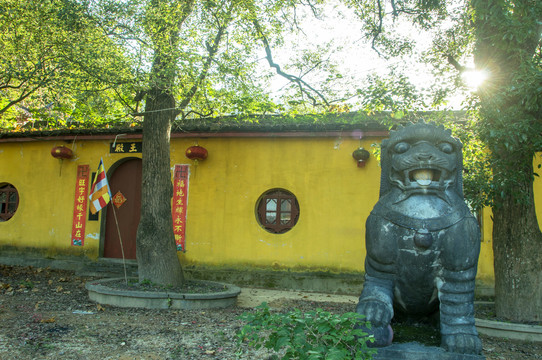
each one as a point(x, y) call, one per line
point(46, 314)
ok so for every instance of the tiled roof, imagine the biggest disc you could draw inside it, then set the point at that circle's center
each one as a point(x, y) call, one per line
point(318, 123)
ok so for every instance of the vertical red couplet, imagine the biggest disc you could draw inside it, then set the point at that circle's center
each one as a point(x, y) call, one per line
point(80, 205)
point(180, 201)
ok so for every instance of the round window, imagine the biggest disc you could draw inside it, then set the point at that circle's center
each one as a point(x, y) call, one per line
point(277, 211)
point(9, 201)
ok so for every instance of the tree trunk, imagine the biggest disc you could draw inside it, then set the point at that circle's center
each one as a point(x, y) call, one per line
point(507, 36)
point(157, 258)
point(156, 252)
point(517, 246)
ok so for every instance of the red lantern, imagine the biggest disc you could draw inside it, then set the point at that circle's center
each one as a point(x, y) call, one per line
point(196, 153)
point(61, 152)
point(361, 156)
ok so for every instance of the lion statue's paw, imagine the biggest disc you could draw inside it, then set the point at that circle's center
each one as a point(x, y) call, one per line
point(378, 313)
point(462, 343)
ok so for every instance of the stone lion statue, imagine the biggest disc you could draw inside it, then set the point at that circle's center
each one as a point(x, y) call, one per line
point(422, 240)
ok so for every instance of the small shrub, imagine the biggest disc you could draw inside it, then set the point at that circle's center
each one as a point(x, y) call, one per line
point(28, 284)
point(312, 335)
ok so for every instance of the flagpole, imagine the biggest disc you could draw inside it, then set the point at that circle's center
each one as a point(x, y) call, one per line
point(121, 246)
point(99, 198)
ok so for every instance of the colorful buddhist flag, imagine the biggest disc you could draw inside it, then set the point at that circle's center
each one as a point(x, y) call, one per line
point(100, 194)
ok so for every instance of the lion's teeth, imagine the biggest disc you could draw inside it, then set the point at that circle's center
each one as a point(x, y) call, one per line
point(423, 177)
point(423, 182)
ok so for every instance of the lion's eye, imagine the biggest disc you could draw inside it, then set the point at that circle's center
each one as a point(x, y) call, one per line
point(446, 148)
point(401, 147)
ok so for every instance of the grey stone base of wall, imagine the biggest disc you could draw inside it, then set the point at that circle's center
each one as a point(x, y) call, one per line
point(64, 263)
point(416, 351)
point(314, 281)
point(80, 265)
point(317, 281)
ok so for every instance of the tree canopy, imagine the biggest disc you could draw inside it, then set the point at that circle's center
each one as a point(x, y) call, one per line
point(91, 60)
point(56, 65)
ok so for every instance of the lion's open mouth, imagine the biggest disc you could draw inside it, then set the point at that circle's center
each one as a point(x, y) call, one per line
point(424, 177)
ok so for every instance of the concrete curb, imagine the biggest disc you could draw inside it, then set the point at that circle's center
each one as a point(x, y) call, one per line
point(509, 330)
point(100, 292)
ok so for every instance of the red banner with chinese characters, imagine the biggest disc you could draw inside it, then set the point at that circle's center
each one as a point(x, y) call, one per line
point(180, 200)
point(80, 206)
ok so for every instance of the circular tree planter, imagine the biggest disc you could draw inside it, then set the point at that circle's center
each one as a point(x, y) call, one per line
point(509, 330)
point(103, 292)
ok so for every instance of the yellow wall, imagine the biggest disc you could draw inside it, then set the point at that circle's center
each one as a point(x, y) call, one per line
point(335, 197)
point(46, 187)
point(485, 261)
point(538, 185)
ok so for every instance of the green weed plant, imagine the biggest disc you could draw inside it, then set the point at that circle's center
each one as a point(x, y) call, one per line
point(313, 335)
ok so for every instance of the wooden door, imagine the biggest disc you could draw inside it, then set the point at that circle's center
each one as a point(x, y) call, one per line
point(127, 179)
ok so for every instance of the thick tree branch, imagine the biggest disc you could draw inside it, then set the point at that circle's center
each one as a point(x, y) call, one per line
point(378, 31)
point(19, 99)
point(201, 115)
point(394, 8)
point(27, 90)
point(212, 49)
point(303, 86)
point(124, 102)
point(456, 64)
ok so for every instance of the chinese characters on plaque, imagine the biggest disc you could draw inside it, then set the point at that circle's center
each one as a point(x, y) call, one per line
point(125, 147)
point(80, 206)
point(180, 200)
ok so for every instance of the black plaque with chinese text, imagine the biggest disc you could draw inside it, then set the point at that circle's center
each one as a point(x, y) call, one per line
point(125, 147)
